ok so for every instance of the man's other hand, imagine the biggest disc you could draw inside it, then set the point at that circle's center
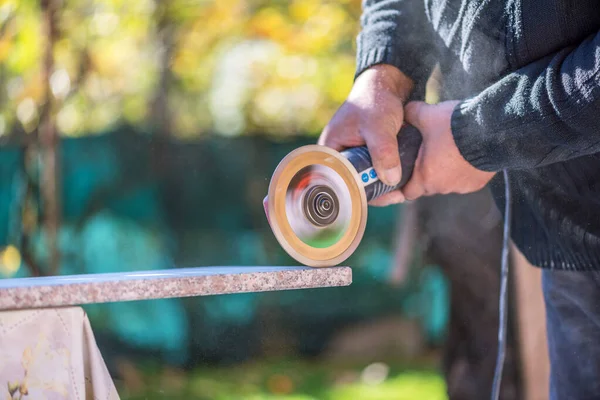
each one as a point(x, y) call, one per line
point(373, 114)
point(440, 168)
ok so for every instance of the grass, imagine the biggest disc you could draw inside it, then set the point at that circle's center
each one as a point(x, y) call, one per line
point(286, 380)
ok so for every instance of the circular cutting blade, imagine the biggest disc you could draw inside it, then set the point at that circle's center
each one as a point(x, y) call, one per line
point(317, 206)
point(335, 202)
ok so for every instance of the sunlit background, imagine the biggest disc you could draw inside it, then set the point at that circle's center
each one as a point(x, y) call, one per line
point(225, 67)
point(141, 135)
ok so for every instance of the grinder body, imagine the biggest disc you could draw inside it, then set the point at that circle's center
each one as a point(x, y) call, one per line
point(317, 200)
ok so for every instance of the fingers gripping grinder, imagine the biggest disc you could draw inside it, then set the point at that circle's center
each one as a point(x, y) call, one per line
point(317, 199)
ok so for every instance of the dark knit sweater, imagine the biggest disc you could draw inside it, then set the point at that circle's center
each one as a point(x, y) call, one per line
point(527, 73)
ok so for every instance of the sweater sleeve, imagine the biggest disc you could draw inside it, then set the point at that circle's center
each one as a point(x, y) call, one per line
point(396, 32)
point(546, 112)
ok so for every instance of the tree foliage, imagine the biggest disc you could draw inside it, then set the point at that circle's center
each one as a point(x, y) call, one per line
point(230, 66)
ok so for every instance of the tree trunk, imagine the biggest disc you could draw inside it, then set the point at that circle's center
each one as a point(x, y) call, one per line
point(48, 139)
point(159, 108)
point(160, 112)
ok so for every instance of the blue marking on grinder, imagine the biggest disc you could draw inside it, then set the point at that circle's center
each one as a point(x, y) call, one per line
point(409, 142)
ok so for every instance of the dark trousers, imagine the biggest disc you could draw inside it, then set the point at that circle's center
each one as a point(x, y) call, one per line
point(573, 324)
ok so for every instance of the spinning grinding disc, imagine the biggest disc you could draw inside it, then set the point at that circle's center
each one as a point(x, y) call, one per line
point(317, 200)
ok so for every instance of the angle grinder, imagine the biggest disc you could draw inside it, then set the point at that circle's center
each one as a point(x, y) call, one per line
point(317, 199)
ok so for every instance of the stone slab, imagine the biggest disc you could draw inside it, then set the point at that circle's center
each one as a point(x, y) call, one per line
point(70, 290)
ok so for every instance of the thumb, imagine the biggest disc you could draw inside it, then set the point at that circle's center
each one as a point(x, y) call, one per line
point(413, 113)
point(383, 148)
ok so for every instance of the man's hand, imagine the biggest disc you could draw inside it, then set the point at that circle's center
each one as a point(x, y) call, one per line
point(440, 168)
point(373, 114)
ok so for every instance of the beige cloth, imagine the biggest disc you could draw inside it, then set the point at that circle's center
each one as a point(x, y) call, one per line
point(51, 354)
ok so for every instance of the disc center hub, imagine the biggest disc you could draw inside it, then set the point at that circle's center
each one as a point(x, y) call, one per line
point(321, 205)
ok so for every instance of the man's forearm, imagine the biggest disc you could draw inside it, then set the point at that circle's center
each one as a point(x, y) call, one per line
point(546, 112)
point(395, 33)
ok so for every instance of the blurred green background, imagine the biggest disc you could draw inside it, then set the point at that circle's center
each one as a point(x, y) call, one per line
point(140, 135)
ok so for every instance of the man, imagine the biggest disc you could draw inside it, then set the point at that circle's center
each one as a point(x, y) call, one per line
point(521, 92)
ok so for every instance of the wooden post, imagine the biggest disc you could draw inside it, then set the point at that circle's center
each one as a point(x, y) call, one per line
point(406, 243)
point(531, 315)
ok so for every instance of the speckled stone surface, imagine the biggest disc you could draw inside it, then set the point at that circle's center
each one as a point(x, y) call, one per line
point(24, 293)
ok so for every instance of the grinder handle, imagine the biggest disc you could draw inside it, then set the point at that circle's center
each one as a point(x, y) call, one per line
point(409, 142)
